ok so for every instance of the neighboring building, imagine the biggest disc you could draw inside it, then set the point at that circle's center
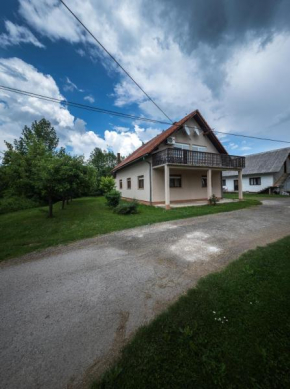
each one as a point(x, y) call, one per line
point(182, 164)
point(264, 172)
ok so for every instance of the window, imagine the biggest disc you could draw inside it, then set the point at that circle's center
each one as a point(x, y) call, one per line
point(128, 183)
point(120, 184)
point(183, 146)
point(198, 148)
point(224, 182)
point(255, 181)
point(140, 182)
point(175, 181)
point(204, 181)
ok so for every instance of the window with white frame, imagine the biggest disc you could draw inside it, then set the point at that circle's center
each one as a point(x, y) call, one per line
point(120, 184)
point(198, 148)
point(128, 183)
point(183, 146)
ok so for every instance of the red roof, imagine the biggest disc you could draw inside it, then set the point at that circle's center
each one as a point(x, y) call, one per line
point(152, 144)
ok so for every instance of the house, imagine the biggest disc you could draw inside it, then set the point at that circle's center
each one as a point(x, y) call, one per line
point(180, 165)
point(264, 172)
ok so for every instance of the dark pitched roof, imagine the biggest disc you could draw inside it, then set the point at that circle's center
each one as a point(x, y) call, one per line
point(150, 146)
point(261, 163)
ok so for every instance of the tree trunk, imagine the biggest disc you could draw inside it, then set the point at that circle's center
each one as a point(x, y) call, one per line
point(63, 203)
point(50, 205)
point(67, 201)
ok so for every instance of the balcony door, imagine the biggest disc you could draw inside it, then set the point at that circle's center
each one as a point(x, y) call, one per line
point(184, 153)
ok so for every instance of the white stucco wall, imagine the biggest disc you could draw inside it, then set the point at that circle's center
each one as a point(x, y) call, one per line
point(182, 137)
point(133, 171)
point(191, 182)
point(266, 181)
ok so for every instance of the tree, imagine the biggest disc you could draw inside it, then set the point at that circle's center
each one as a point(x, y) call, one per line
point(107, 184)
point(103, 161)
point(40, 132)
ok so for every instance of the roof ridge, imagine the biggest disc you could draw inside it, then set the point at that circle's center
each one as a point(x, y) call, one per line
point(270, 151)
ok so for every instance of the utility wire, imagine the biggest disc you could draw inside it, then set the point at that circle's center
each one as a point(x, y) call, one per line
point(115, 60)
point(120, 114)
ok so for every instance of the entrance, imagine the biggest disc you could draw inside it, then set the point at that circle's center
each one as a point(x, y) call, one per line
point(236, 185)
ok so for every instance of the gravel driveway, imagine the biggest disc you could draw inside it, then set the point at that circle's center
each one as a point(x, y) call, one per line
point(66, 312)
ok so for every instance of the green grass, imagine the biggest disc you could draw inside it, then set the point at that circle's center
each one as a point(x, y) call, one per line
point(25, 231)
point(253, 196)
point(231, 332)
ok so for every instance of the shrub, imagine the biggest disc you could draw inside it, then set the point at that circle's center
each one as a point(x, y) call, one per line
point(113, 198)
point(213, 200)
point(127, 208)
point(107, 184)
point(15, 203)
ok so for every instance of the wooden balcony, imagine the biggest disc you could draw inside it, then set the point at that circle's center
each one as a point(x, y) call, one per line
point(177, 156)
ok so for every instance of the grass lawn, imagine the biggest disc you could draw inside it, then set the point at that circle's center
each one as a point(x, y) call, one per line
point(257, 196)
point(25, 231)
point(231, 331)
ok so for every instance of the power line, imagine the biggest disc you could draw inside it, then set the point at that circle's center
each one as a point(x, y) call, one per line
point(120, 114)
point(79, 105)
point(115, 60)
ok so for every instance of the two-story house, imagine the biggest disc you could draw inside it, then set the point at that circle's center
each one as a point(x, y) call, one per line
point(180, 165)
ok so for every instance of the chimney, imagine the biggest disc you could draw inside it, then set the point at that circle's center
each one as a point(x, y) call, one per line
point(118, 158)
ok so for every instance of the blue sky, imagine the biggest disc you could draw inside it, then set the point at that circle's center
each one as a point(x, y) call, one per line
point(238, 77)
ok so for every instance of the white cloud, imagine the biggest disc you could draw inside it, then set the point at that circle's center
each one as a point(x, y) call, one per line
point(16, 35)
point(254, 95)
point(245, 148)
point(18, 110)
point(90, 99)
point(70, 86)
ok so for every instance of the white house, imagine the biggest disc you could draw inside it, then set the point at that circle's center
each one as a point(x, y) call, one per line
point(180, 165)
point(264, 172)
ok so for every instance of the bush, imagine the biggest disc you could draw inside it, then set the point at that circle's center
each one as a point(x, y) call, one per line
point(113, 198)
point(127, 208)
point(213, 200)
point(107, 184)
point(15, 203)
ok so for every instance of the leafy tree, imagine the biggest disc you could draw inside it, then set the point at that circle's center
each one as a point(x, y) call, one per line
point(103, 161)
point(40, 132)
point(107, 184)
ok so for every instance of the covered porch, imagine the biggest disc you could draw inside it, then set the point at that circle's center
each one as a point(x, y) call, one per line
point(181, 186)
point(185, 176)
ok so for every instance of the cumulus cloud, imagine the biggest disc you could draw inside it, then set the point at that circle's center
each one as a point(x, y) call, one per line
point(229, 59)
point(18, 110)
point(16, 35)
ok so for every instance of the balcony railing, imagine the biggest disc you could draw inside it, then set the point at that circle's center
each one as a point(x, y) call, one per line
point(197, 158)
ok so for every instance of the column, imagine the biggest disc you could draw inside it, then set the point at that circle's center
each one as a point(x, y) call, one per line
point(209, 184)
point(240, 185)
point(167, 187)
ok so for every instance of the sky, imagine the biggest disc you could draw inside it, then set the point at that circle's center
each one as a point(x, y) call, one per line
point(229, 59)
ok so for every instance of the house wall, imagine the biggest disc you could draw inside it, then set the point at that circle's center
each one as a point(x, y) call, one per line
point(182, 137)
point(133, 171)
point(191, 188)
point(266, 181)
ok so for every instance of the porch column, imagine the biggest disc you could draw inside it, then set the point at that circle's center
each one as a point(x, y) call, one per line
point(209, 184)
point(240, 185)
point(167, 188)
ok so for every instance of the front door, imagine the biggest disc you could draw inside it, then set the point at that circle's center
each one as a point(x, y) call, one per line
point(236, 185)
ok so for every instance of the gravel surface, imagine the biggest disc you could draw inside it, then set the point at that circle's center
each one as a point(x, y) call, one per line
point(65, 312)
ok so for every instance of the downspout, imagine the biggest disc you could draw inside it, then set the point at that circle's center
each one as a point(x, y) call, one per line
point(150, 179)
